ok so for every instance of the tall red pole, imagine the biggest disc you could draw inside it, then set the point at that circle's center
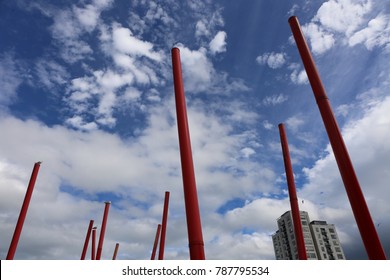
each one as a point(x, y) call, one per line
point(115, 251)
point(93, 251)
point(23, 212)
point(293, 195)
point(164, 227)
point(84, 252)
point(358, 204)
point(194, 227)
point(102, 230)
point(156, 238)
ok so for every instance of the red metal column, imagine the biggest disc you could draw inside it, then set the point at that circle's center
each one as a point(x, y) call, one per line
point(293, 195)
point(84, 252)
point(23, 212)
point(194, 227)
point(115, 251)
point(93, 251)
point(358, 204)
point(103, 230)
point(153, 256)
point(164, 227)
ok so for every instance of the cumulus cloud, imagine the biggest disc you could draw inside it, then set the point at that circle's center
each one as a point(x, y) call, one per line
point(376, 34)
point(298, 75)
point(70, 157)
point(198, 70)
point(343, 16)
point(218, 43)
point(325, 187)
point(320, 39)
point(273, 60)
point(350, 22)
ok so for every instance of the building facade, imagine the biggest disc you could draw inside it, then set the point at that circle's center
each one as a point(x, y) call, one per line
point(321, 240)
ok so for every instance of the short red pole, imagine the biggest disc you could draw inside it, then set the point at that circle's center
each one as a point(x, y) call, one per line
point(23, 212)
point(87, 237)
point(300, 241)
point(156, 238)
point(194, 227)
point(103, 230)
point(164, 227)
point(358, 203)
point(115, 251)
point(93, 251)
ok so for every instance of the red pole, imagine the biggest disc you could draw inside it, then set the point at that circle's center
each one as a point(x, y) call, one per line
point(115, 251)
point(194, 227)
point(293, 195)
point(153, 256)
point(84, 252)
point(358, 204)
point(93, 251)
point(164, 227)
point(23, 212)
point(103, 230)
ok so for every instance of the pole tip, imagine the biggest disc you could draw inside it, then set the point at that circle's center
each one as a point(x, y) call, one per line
point(39, 162)
point(107, 202)
point(292, 19)
point(94, 228)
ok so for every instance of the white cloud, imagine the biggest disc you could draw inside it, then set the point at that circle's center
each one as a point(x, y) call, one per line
point(294, 123)
point(267, 125)
point(10, 79)
point(274, 99)
point(51, 74)
point(376, 34)
point(273, 60)
point(350, 22)
point(218, 43)
point(138, 168)
point(343, 16)
point(201, 29)
point(125, 42)
point(198, 70)
point(298, 76)
point(369, 156)
point(320, 39)
point(78, 122)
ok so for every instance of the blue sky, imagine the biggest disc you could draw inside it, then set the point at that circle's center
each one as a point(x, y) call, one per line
point(86, 87)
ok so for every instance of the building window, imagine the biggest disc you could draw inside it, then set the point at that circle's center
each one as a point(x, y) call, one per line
point(312, 256)
point(340, 256)
point(331, 230)
point(333, 236)
point(338, 249)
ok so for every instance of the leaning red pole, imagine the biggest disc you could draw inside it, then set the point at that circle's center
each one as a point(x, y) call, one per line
point(115, 251)
point(23, 212)
point(164, 227)
point(300, 241)
point(93, 250)
point(358, 204)
point(102, 230)
point(87, 237)
point(194, 227)
point(157, 237)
